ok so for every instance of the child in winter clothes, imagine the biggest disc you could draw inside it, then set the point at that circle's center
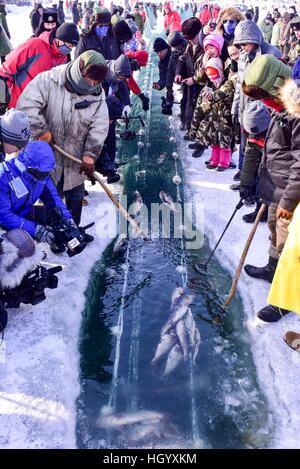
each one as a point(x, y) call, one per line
point(211, 124)
point(256, 122)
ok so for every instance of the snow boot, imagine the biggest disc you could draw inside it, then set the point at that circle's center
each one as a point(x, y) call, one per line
point(232, 165)
point(187, 137)
point(112, 176)
point(272, 313)
point(199, 150)
point(292, 339)
point(211, 166)
point(237, 176)
point(192, 146)
point(220, 169)
point(250, 217)
point(264, 273)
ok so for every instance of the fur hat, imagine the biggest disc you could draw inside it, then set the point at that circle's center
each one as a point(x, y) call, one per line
point(214, 39)
point(102, 15)
point(49, 16)
point(290, 97)
point(191, 27)
point(229, 13)
point(265, 76)
point(256, 118)
point(18, 256)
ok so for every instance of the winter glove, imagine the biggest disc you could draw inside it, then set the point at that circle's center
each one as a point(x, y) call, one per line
point(156, 86)
point(45, 137)
point(145, 102)
point(246, 191)
point(87, 166)
point(235, 120)
point(126, 111)
point(44, 234)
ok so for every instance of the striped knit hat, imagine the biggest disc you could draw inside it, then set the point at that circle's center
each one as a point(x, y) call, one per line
point(15, 128)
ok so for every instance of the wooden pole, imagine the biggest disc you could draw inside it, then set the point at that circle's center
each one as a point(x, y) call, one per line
point(108, 192)
point(243, 256)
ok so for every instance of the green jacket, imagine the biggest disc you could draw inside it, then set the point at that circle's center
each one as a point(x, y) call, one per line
point(266, 30)
point(275, 34)
point(139, 22)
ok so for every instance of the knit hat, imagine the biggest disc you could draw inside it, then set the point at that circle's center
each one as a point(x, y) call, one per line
point(15, 128)
point(256, 118)
point(191, 27)
point(49, 16)
point(214, 70)
point(267, 73)
point(18, 256)
point(115, 107)
point(122, 32)
point(214, 39)
point(176, 39)
point(121, 66)
point(160, 44)
point(102, 15)
point(68, 32)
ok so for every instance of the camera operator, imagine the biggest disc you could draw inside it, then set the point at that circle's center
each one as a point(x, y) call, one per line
point(24, 180)
point(22, 280)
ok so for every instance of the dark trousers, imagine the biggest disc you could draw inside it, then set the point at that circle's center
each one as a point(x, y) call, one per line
point(106, 160)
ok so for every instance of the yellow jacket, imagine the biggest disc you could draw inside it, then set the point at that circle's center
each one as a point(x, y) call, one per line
point(285, 289)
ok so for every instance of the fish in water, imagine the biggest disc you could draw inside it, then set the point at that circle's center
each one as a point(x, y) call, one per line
point(167, 199)
point(162, 158)
point(145, 417)
point(166, 343)
point(178, 311)
point(174, 359)
point(135, 209)
point(120, 245)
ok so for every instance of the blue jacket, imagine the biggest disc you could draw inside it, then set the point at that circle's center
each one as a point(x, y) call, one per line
point(16, 211)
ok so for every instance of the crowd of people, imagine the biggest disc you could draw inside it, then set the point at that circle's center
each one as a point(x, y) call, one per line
point(238, 78)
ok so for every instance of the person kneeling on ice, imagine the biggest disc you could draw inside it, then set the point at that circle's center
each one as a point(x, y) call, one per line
point(211, 124)
point(22, 278)
point(279, 176)
point(256, 121)
point(67, 105)
point(24, 180)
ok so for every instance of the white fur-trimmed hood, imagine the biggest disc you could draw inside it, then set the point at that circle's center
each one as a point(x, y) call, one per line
point(290, 97)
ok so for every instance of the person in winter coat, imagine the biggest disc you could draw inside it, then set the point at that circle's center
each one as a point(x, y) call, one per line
point(86, 18)
point(256, 121)
point(138, 59)
point(294, 52)
point(162, 49)
point(205, 15)
point(284, 292)
point(123, 33)
point(49, 21)
point(101, 37)
point(172, 20)
point(178, 46)
point(211, 124)
point(228, 20)
point(35, 16)
point(266, 27)
point(249, 37)
point(3, 21)
point(119, 71)
point(37, 55)
point(284, 34)
point(67, 105)
point(138, 19)
point(75, 13)
point(60, 12)
point(216, 12)
point(187, 68)
point(23, 181)
point(275, 39)
point(279, 177)
point(5, 44)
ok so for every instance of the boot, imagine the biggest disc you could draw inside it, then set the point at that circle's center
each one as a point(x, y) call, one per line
point(75, 207)
point(235, 187)
point(232, 165)
point(199, 150)
point(272, 313)
point(237, 176)
point(264, 273)
point(292, 339)
point(193, 145)
point(112, 176)
point(3, 319)
point(187, 137)
point(250, 217)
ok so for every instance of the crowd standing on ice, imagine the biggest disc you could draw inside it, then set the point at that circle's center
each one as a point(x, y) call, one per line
point(66, 86)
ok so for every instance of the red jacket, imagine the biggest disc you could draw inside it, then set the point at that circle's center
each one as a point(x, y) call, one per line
point(172, 22)
point(204, 17)
point(142, 57)
point(30, 58)
point(215, 13)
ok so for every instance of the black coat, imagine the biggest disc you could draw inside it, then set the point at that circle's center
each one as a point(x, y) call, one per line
point(107, 46)
point(75, 14)
point(35, 20)
point(175, 54)
point(279, 176)
point(61, 14)
point(163, 65)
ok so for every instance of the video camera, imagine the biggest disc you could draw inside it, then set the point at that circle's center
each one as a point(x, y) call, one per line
point(67, 234)
point(130, 134)
point(31, 290)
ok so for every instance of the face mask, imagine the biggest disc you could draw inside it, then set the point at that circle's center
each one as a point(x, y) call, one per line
point(230, 26)
point(101, 31)
point(65, 50)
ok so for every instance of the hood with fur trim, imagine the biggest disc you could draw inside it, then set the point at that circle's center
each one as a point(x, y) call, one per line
point(229, 13)
point(290, 97)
